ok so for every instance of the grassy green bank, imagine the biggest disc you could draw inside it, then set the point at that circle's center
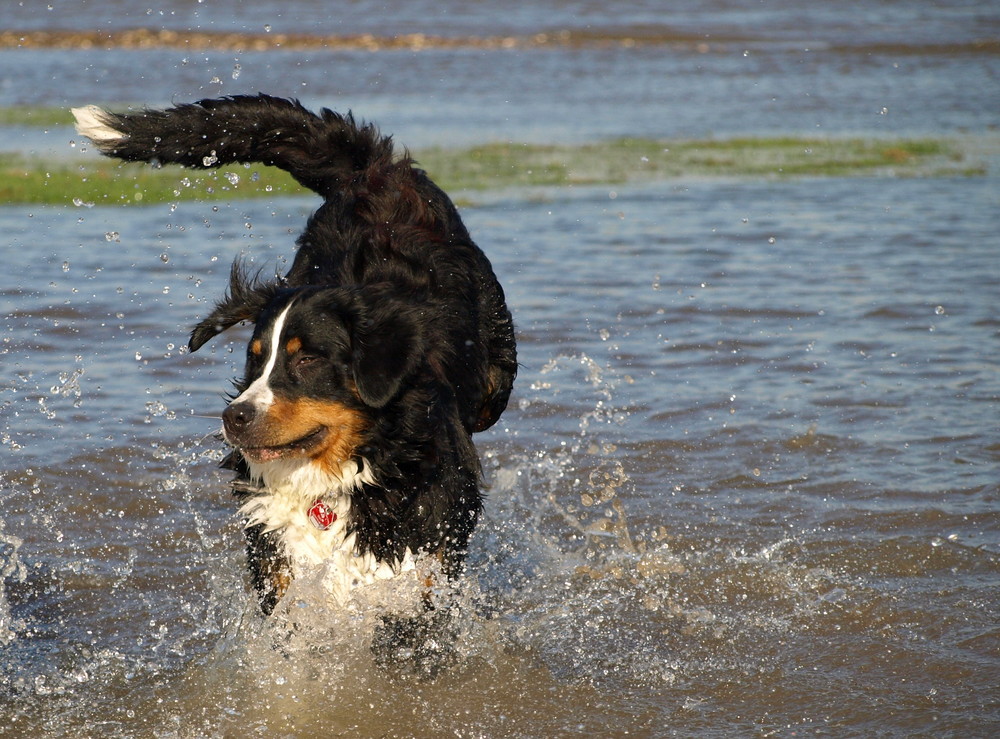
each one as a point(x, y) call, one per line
point(491, 166)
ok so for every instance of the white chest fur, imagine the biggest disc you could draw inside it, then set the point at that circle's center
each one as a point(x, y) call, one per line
point(284, 509)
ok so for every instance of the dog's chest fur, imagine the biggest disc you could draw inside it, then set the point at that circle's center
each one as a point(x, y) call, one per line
point(283, 507)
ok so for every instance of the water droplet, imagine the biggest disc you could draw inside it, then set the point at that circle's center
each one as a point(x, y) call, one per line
point(236, 71)
point(939, 310)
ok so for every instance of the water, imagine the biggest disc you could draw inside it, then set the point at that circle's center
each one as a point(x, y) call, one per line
point(748, 482)
point(730, 69)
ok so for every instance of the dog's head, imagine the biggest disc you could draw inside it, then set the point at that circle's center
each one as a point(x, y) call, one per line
point(322, 362)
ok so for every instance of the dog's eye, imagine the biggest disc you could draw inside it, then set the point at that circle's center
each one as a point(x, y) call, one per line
point(304, 360)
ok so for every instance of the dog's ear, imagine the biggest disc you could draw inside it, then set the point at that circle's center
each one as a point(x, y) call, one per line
point(387, 347)
point(244, 300)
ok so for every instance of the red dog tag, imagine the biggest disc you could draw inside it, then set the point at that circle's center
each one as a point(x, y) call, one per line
point(321, 515)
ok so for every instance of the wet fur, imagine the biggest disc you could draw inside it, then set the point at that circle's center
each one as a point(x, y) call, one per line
point(411, 328)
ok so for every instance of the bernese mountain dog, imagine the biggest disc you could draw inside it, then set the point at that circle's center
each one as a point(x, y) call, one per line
point(372, 361)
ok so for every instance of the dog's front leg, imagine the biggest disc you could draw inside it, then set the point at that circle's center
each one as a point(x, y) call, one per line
point(270, 570)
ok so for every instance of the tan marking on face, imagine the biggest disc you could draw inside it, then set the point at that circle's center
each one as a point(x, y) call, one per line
point(289, 420)
point(293, 345)
point(352, 386)
point(256, 347)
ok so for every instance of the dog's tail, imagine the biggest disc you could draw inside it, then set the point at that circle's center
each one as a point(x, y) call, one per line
point(324, 152)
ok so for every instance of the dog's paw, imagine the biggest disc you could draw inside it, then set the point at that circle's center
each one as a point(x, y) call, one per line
point(418, 645)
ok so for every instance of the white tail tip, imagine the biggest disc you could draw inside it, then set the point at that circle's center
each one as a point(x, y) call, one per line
point(92, 122)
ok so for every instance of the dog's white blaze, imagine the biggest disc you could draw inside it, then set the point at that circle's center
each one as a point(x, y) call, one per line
point(91, 122)
point(259, 394)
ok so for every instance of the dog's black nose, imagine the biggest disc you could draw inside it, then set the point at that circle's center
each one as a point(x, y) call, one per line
point(237, 417)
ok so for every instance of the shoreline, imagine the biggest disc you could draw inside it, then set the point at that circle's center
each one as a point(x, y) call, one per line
point(242, 41)
point(92, 179)
point(611, 37)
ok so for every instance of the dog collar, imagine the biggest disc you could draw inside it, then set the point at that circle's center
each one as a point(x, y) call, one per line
point(321, 515)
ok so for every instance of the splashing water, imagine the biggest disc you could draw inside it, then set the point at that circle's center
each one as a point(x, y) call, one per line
point(11, 570)
point(711, 503)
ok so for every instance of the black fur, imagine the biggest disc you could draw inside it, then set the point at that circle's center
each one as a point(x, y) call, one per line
point(396, 295)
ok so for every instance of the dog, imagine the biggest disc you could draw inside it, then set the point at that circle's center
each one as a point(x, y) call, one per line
point(372, 362)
